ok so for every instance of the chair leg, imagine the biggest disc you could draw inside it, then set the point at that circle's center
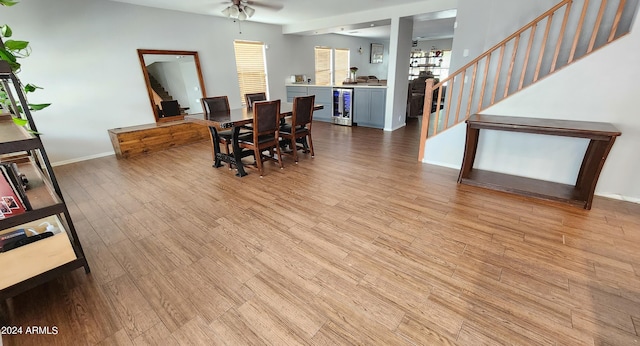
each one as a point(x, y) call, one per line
point(258, 154)
point(294, 147)
point(279, 156)
point(311, 144)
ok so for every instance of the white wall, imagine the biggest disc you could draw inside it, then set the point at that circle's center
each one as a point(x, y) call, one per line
point(577, 92)
point(482, 24)
point(84, 55)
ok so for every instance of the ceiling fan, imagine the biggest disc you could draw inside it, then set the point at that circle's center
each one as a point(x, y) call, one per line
point(241, 10)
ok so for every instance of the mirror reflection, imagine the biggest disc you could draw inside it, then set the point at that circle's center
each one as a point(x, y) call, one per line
point(174, 82)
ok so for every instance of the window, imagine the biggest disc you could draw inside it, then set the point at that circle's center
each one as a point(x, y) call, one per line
point(341, 65)
point(332, 65)
point(251, 67)
point(323, 65)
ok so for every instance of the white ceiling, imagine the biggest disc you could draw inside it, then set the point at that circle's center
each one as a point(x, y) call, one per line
point(426, 26)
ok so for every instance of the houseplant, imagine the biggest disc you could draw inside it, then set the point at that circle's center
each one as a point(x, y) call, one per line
point(10, 51)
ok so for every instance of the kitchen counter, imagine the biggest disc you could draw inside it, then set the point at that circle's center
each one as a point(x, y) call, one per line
point(359, 85)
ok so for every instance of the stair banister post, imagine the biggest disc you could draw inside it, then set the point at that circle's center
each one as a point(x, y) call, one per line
point(426, 115)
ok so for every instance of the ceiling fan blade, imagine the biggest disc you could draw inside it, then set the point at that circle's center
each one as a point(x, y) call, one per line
point(275, 7)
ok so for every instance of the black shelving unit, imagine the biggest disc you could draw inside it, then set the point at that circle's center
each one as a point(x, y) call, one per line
point(421, 61)
point(37, 262)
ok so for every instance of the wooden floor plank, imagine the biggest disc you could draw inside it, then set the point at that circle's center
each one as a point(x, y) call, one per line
point(362, 244)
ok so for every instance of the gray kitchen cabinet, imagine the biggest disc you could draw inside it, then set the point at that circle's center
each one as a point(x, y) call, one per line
point(295, 91)
point(324, 97)
point(369, 107)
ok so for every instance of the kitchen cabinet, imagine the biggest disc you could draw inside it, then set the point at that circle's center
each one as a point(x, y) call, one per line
point(369, 107)
point(324, 97)
point(295, 91)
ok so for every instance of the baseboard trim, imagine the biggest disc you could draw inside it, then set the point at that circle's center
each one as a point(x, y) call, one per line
point(456, 167)
point(84, 158)
point(395, 128)
point(619, 197)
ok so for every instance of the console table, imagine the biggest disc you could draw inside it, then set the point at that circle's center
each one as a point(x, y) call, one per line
point(601, 135)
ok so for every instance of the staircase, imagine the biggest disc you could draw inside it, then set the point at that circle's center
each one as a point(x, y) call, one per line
point(159, 89)
point(569, 31)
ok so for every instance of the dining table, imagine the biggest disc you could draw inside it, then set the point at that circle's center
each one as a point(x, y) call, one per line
point(234, 119)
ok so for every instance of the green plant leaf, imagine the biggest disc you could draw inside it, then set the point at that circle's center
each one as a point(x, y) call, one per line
point(14, 45)
point(37, 107)
point(8, 2)
point(20, 122)
point(29, 88)
point(6, 55)
point(6, 31)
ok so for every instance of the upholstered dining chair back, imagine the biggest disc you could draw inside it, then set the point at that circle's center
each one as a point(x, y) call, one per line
point(266, 116)
point(251, 98)
point(215, 104)
point(303, 110)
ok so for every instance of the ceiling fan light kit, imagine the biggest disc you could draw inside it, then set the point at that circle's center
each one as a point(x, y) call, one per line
point(238, 11)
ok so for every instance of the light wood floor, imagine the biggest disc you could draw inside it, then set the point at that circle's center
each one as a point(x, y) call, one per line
point(361, 245)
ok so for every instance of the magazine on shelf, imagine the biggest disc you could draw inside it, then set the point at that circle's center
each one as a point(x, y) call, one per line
point(13, 176)
point(10, 202)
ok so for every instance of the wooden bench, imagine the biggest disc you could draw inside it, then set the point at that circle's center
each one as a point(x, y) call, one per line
point(141, 139)
point(601, 136)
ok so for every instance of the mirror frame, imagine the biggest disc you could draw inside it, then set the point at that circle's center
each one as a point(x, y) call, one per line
point(142, 52)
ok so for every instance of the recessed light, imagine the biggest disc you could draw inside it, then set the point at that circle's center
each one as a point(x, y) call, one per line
point(373, 24)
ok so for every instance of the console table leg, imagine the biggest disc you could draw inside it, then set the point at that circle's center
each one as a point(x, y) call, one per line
point(592, 163)
point(470, 148)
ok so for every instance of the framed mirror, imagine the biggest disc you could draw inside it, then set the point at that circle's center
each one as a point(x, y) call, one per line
point(174, 82)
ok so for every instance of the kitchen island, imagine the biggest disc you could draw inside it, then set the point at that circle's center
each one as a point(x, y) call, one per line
point(369, 101)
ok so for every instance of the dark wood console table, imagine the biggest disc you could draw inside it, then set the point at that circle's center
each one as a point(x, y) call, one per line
point(601, 135)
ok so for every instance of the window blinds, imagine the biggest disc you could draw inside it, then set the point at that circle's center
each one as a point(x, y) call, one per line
point(250, 64)
point(341, 66)
point(323, 65)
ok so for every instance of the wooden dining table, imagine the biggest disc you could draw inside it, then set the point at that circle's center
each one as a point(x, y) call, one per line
point(234, 119)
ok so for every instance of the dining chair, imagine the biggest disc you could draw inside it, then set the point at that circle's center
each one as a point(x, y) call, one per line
point(299, 131)
point(251, 98)
point(217, 104)
point(170, 108)
point(265, 134)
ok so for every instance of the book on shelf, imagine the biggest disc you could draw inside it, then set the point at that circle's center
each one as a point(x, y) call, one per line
point(13, 198)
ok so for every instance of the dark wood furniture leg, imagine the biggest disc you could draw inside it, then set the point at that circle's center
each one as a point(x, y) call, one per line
point(470, 148)
point(592, 164)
